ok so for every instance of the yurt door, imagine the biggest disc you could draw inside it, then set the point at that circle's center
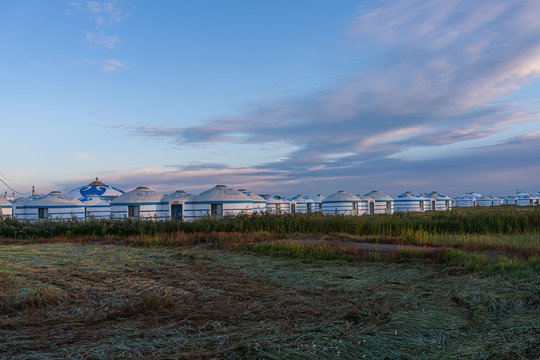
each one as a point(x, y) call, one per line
point(371, 207)
point(433, 205)
point(293, 208)
point(216, 210)
point(43, 214)
point(176, 212)
point(355, 208)
point(134, 211)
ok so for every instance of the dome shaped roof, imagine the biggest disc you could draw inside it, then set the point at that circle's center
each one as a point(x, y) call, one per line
point(178, 195)
point(319, 198)
point(5, 202)
point(252, 196)
point(302, 199)
point(341, 196)
point(55, 198)
point(140, 195)
point(470, 195)
point(97, 188)
point(222, 193)
point(407, 195)
point(437, 195)
point(274, 200)
point(375, 195)
point(521, 194)
point(92, 200)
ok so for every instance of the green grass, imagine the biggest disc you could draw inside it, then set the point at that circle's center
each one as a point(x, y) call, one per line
point(199, 301)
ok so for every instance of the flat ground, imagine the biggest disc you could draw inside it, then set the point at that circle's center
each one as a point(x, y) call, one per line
point(101, 301)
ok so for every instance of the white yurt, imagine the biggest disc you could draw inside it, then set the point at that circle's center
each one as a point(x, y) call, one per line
point(96, 188)
point(485, 201)
point(509, 200)
point(468, 199)
point(259, 203)
point(220, 201)
point(178, 204)
point(53, 206)
point(96, 207)
point(341, 203)
point(318, 202)
point(275, 204)
point(379, 203)
point(438, 201)
point(302, 204)
point(409, 202)
point(6, 208)
point(141, 203)
point(526, 200)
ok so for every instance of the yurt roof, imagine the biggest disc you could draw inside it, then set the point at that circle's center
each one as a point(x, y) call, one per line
point(521, 194)
point(178, 195)
point(54, 198)
point(484, 197)
point(97, 188)
point(470, 195)
point(376, 195)
point(140, 195)
point(274, 200)
point(342, 196)
point(4, 201)
point(253, 196)
point(408, 195)
point(319, 198)
point(437, 195)
point(95, 201)
point(222, 193)
point(302, 199)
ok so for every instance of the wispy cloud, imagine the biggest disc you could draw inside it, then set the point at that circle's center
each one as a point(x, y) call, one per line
point(108, 41)
point(113, 65)
point(103, 13)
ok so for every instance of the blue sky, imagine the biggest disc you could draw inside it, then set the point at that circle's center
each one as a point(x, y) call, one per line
point(280, 97)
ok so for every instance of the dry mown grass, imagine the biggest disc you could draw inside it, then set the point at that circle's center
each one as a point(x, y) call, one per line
point(107, 301)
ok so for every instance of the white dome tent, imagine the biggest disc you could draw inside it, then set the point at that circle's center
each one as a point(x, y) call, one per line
point(275, 205)
point(438, 201)
point(524, 199)
point(97, 188)
point(178, 204)
point(378, 203)
point(259, 203)
point(302, 204)
point(6, 208)
point(485, 201)
point(409, 202)
point(141, 203)
point(53, 206)
point(220, 201)
point(341, 203)
point(318, 202)
point(96, 207)
point(509, 200)
point(468, 199)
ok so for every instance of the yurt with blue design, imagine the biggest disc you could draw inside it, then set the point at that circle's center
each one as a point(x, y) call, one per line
point(468, 199)
point(438, 201)
point(179, 203)
point(97, 188)
point(409, 202)
point(220, 201)
point(53, 206)
point(276, 205)
point(525, 199)
point(509, 200)
point(378, 203)
point(485, 201)
point(259, 203)
point(302, 204)
point(141, 203)
point(6, 208)
point(341, 203)
point(96, 207)
point(318, 203)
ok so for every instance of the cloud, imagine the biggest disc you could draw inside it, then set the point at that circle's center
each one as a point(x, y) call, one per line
point(103, 13)
point(108, 41)
point(113, 65)
point(443, 69)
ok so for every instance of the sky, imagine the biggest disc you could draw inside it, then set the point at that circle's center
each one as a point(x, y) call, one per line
point(276, 96)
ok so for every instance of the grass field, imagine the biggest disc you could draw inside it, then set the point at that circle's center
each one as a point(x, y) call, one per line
point(142, 293)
